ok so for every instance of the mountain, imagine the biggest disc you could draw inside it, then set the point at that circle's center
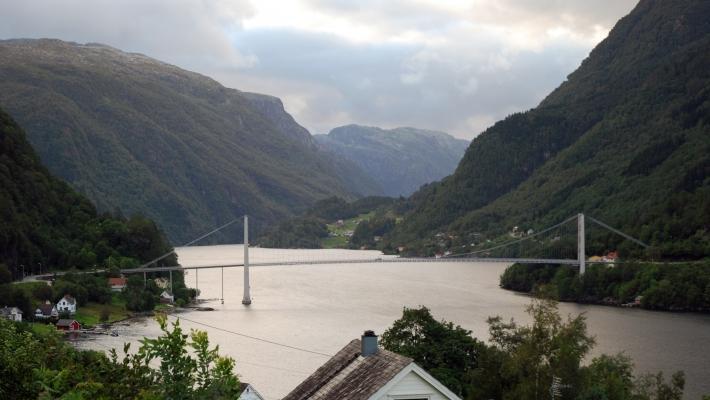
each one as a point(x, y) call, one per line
point(400, 160)
point(136, 134)
point(46, 223)
point(624, 138)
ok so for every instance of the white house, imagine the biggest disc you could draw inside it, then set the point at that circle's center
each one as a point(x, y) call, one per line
point(361, 370)
point(166, 297)
point(46, 310)
point(249, 393)
point(67, 304)
point(11, 313)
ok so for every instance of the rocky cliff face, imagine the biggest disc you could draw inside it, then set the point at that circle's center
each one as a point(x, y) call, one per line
point(273, 109)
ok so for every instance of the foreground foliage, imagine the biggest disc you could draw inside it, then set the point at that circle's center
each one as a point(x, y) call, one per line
point(524, 362)
point(42, 366)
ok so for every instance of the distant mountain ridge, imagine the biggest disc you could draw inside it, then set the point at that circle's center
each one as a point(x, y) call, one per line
point(624, 138)
point(401, 159)
point(139, 135)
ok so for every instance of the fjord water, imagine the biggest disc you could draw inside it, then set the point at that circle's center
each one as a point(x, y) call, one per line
point(322, 307)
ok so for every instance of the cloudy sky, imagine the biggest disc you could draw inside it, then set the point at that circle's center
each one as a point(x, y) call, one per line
point(456, 66)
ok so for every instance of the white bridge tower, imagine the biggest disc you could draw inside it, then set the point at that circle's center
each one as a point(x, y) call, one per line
point(580, 244)
point(246, 300)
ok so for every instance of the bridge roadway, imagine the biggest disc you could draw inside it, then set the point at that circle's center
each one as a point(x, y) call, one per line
point(367, 261)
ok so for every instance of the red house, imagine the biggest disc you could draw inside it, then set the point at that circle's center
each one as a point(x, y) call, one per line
point(117, 284)
point(68, 325)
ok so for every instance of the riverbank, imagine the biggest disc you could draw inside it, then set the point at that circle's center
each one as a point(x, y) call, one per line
point(659, 287)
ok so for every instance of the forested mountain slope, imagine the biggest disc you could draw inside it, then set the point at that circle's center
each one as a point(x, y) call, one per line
point(400, 160)
point(44, 221)
point(626, 138)
point(143, 136)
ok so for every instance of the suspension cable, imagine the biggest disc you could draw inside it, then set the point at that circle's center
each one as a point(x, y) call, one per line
point(618, 232)
point(514, 241)
point(191, 242)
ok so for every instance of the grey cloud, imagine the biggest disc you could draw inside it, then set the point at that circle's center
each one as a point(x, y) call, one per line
point(463, 79)
point(458, 89)
point(185, 32)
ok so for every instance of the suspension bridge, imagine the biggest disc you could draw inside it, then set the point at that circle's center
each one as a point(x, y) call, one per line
point(548, 246)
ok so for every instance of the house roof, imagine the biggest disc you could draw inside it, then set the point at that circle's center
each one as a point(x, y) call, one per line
point(45, 309)
point(66, 322)
point(350, 376)
point(69, 299)
point(10, 310)
point(117, 281)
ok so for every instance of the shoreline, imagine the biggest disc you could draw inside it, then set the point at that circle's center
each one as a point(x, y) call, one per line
point(703, 312)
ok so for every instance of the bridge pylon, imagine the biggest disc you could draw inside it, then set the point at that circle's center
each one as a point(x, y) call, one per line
point(580, 244)
point(246, 300)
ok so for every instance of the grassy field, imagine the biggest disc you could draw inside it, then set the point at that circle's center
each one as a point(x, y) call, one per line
point(340, 241)
point(335, 242)
point(41, 328)
point(90, 313)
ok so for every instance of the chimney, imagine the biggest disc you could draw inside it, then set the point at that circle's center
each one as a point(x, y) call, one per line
point(369, 344)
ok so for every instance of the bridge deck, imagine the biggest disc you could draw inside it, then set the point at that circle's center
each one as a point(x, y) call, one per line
point(369, 261)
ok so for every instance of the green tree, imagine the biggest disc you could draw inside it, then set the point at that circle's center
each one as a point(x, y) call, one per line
point(654, 387)
point(549, 348)
point(5, 274)
point(608, 378)
point(184, 376)
point(446, 350)
point(105, 314)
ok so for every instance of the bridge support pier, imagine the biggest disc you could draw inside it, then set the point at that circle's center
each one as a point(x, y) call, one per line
point(580, 245)
point(246, 300)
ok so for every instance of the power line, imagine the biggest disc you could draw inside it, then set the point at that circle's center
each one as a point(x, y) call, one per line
point(272, 367)
point(256, 338)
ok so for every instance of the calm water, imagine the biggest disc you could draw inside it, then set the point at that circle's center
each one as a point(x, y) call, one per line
point(323, 307)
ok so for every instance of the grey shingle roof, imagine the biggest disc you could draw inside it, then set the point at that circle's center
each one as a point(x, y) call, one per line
point(349, 376)
point(46, 309)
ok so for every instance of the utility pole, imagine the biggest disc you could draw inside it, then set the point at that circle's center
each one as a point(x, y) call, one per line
point(222, 298)
point(246, 300)
point(580, 244)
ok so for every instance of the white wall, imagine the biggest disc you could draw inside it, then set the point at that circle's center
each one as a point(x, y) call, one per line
point(412, 386)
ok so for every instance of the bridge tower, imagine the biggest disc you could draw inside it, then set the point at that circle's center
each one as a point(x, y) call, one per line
point(580, 244)
point(246, 300)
